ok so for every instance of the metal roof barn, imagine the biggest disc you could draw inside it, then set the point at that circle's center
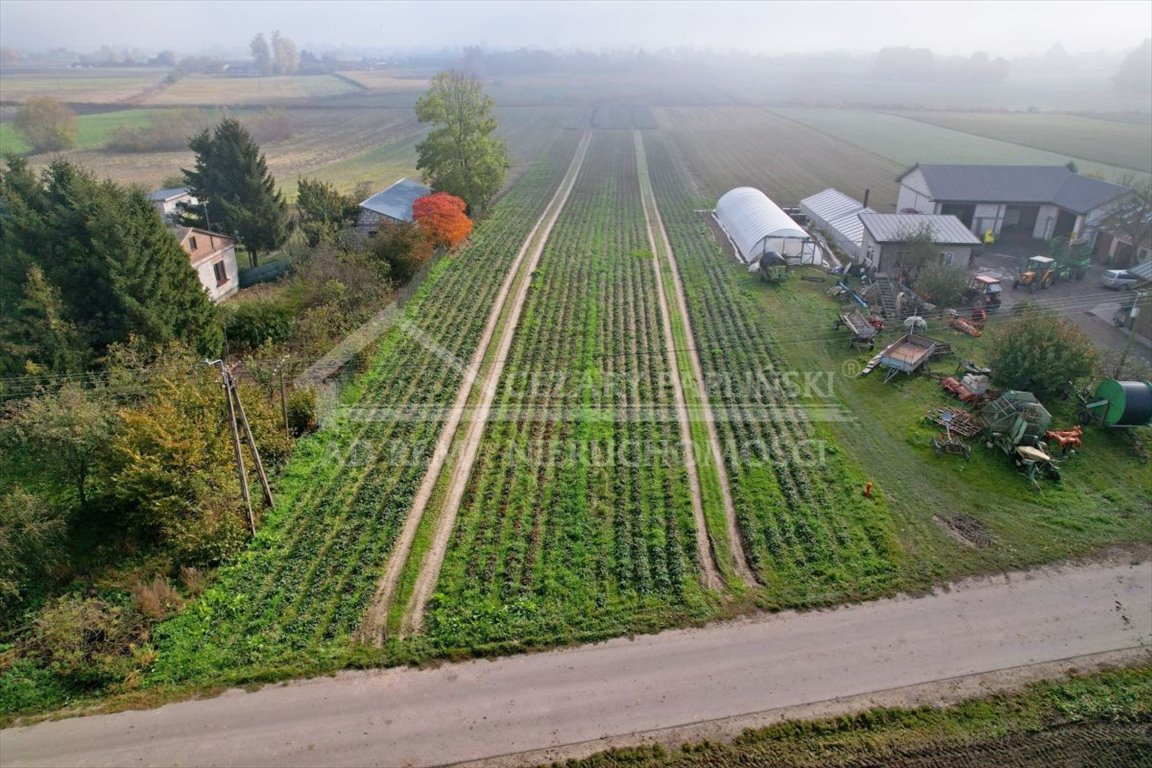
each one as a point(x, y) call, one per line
point(396, 201)
point(899, 227)
point(836, 214)
point(755, 225)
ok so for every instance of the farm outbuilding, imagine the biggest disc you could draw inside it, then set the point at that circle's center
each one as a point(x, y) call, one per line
point(393, 204)
point(756, 225)
point(888, 235)
point(835, 214)
point(1016, 202)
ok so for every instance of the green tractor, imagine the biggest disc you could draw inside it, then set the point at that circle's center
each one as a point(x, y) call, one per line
point(1038, 273)
point(1073, 257)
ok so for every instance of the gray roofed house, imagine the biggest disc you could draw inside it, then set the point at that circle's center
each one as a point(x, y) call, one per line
point(1018, 202)
point(166, 200)
point(887, 235)
point(393, 204)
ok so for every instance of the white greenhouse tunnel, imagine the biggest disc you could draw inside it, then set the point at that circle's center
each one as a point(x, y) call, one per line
point(755, 224)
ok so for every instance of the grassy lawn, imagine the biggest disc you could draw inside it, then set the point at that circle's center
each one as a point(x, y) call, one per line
point(92, 131)
point(1103, 499)
point(1127, 145)
point(908, 141)
point(1100, 720)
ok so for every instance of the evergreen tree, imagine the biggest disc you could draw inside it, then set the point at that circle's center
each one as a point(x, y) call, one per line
point(232, 182)
point(93, 265)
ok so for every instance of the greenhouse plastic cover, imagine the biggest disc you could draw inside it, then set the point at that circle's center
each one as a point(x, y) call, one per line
point(748, 216)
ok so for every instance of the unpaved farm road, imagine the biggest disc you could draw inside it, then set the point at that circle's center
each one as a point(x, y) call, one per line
point(490, 708)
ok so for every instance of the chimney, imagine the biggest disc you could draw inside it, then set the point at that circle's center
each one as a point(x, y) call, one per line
point(866, 192)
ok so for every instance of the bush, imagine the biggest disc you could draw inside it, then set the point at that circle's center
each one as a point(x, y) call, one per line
point(1038, 351)
point(31, 539)
point(156, 601)
point(942, 284)
point(250, 325)
point(86, 641)
point(302, 407)
point(48, 125)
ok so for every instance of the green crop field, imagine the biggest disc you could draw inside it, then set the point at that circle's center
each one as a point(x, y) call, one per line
point(727, 147)
point(907, 141)
point(578, 520)
point(1121, 144)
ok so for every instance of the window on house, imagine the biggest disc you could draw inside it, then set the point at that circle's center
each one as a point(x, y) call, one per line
point(221, 271)
point(947, 257)
point(192, 244)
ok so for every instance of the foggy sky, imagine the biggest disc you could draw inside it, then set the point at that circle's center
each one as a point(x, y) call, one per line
point(1009, 29)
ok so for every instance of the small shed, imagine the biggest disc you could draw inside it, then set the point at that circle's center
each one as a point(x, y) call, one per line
point(756, 225)
point(393, 204)
point(835, 214)
point(887, 235)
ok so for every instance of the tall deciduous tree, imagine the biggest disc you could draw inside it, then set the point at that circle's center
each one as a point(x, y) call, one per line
point(324, 211)
point(261, 54)
point(285, 57)
point(92, 265)
point(442, 218)
point(461, 155)
point(48, 125)
point(237, 194)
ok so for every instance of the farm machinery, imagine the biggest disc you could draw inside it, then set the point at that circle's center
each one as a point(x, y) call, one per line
point(1016, 423)
point(1073, 257)
point(1038, 272)
point(984, 292)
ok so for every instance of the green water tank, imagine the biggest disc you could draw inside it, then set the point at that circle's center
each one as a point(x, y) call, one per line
point(1129, 403)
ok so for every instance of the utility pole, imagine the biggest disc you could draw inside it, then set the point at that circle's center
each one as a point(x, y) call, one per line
point(283, 397)
point(241, 473)
point(251, 444)
point(1132, 315)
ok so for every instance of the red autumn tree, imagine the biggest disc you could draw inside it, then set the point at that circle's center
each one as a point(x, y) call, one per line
point(441, 216)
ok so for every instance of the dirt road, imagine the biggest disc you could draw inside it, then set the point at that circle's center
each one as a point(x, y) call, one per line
point(375, 622)
point(512, 705)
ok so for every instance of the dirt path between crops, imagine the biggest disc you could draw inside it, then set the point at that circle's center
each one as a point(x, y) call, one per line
point(374, 626)
point(709, 574)
point(973, 636)
point(739, 561)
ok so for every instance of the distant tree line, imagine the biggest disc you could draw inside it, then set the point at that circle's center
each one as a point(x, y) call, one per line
point(921, 64)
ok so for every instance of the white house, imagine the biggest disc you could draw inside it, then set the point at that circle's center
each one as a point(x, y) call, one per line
point(393, 204)
point(213, 256)
point(886, 236)
point(166, 200)
point(1019, 202)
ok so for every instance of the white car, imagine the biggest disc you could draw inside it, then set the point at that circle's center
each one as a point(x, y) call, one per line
point(1119, 279)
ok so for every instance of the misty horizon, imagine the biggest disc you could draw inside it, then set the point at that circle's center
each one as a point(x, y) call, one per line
point(1012, 31)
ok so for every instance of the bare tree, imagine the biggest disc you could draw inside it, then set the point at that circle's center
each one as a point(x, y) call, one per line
point(285, 57)
point(1129, 219)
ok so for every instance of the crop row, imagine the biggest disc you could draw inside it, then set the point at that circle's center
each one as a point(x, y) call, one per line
point(312, 570)
point(577, 521)
point(808, 532)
